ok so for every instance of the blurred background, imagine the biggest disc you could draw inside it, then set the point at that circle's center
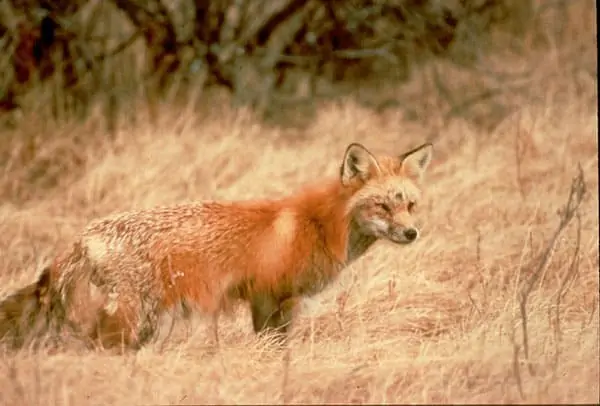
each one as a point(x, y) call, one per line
point(481, 58)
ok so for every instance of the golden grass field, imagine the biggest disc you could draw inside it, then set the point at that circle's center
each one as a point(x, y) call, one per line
point(434, 322)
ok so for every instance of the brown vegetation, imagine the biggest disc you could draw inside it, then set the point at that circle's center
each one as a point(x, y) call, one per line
point(262, 52)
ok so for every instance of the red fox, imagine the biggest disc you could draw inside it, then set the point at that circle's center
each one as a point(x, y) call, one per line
point(124, 271)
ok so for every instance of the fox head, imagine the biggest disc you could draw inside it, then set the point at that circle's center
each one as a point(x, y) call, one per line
point(387, 191)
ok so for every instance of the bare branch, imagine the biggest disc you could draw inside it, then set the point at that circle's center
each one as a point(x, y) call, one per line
point(567, 278)
point(515, 362)
point(570, 209)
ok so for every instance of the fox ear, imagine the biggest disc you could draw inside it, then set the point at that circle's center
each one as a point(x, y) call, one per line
point(416, 161)
point(358, 162)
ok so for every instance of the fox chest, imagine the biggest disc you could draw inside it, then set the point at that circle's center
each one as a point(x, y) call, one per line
point(316, 276)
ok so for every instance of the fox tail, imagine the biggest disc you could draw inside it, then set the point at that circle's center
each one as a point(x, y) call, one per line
point(26, 314)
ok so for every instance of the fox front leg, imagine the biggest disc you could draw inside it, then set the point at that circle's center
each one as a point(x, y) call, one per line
point(272, 314)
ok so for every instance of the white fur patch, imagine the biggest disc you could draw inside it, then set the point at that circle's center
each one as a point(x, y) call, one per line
point(379, 224)
point(95, 292)
point(98, 248)
point(112, 303)
point(276, 243)
point(284, 226)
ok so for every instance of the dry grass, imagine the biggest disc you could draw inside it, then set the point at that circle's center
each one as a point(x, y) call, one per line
point(435, 322)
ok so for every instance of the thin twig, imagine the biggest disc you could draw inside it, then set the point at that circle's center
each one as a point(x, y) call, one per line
point(515, 362)
point(474, 304)
point(569, 276)
point(566, 215)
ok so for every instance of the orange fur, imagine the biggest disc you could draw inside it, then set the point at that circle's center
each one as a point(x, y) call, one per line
point(124, 271)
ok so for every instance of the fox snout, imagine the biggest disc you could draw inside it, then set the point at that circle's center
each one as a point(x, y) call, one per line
point(397, 232)
point(402, 229)
point(403, 235)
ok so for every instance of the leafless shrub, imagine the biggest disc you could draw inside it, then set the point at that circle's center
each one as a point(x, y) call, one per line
point(249, 46)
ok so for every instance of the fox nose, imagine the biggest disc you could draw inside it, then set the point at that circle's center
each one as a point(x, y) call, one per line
point(411, 234)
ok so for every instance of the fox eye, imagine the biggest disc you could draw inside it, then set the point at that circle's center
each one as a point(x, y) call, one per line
point(385, 207)
point(411, 206)
point(399, 196)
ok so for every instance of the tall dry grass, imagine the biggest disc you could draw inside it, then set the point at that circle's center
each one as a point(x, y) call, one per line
point(435, 322)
